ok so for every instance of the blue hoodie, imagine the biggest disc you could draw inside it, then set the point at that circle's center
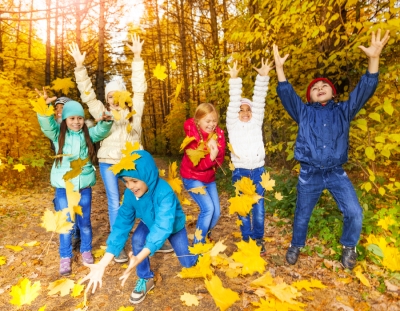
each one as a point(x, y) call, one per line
point(159, 208)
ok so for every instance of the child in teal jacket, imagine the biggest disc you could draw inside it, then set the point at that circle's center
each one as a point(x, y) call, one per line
point(152, 200)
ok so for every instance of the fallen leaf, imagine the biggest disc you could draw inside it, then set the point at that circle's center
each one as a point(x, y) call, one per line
point(223, 297)
point(263, 281)
point(14, 248)
point(33, 243)
point(63, 286)
point(19, 167)
point(2, 260)
point(126, 308)
point(23, 293)
point(358, 272)
point(200, 270)
point(307, 284)
point(200, 248)
point(189, 299)
point(248, 254)
point(219, 247)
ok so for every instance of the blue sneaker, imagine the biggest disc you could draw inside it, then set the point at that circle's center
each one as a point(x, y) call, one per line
point(143, 286)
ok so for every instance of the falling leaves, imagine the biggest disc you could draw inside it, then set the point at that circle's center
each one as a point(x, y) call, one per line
point(76, 168)
point(231, 150)
point(73, 198)
point(266, 182)
point(223, 297)
point(200, 270)
point(127, 162)
point(198, 190)
point(56, 221)
point(19, 167)
point(241, 204)
point(159, 72)
point(172, 64)
point(63, 286)
point(41, 107)
point(122, 98)
point(195, 155)
point(116, 115)
point(189, 299)
point(186, 141)
point(248, 254)
point(23, 293)
point(63, 85)
point(200, 248)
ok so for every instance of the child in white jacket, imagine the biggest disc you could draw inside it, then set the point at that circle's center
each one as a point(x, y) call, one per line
point(244, 120)
point(110, 148)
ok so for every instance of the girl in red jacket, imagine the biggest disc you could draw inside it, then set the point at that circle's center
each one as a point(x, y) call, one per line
point(209, 144)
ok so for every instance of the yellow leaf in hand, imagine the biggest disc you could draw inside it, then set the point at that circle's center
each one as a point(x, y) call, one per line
point(63, 85)
point(41, 108)
point(2, 260)
point(77, 290)
point(278, 196)
point(307, 284)
point(172, 64)
point(23, 293)
point(198, 190)
point(14, 248)
point(266, 182)
point(76, 168)
point(19, 167)
point(223, 297)
point(159, 72)
point(189, 299)
point(116, 115)
point(195, 155)
point(56, 222)
point(200, 248)
point(200, 270)
point(186, 141)
point(249, 255)
point(63, 286)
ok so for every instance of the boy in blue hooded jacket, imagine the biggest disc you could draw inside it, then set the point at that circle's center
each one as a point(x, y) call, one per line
point(152, 200)
point(321, 148)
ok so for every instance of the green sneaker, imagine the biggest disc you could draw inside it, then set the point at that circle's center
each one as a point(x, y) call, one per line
point(143, 286)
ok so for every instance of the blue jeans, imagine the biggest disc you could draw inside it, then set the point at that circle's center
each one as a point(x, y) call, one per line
point(252, 224)
point(179, 243)
point(312, 181)
point(112, 191)
point(83, 222)
point(209, 206)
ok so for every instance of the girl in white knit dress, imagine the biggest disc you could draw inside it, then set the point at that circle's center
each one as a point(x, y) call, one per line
point(244, 120)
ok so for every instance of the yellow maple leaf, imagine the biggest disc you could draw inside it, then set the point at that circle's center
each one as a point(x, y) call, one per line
point(122, 98)
point(223, 297)
point(237, 234)
point(198, 190)
point(73, 198)
point(241, 204)
point(266, 182)
point(231, 166)
point(83, 305)
point(3, 260)
point(76, 168)
point(198, 234)
point(308, 284)
point(386, 222)
point(173, 180)
point(63, 85)
point(219, 247)
point(33, 243)
point(248, 254)
point(172, 64)
point(231, 150)
point(23, 293)
point(40, 107)
point(189, 299)
point(246, 186)
point(56, 221)
point(177, 90)
point(63, 286)
point(263, 281)
point(285, 292)
point(358, 272)
point(126, 163)
point(200, 270)
point(278, 196)
point(195, 155)
point(19, 167)
point(273, 304)
point(116, 115)
point(14, 248)
point(77, 290)
point(186, 141)
point(161, 172)
point(126, 308)
point(200, 248)
point(42, 308)
point(159, 72)
point(130, 114)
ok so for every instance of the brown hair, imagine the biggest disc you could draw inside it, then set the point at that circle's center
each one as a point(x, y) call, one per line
point(61, 142)
point(201, 111)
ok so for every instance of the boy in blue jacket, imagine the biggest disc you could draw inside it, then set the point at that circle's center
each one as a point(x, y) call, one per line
point(152, 200)
point(321, 148)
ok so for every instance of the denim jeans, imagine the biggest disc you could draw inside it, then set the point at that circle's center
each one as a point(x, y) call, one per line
point(252, 224)
point(179, 243)
point(83, 222)
point(112, 191)
point(312, 181)
point(209, 206)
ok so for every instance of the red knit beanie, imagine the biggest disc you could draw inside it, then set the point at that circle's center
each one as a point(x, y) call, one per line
point(315, 81)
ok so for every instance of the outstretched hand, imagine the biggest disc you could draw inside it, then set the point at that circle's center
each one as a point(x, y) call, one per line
point(375, 49)
point(76, 54)
point(45, 96)
point(95, 276)
point(133, 262)
point(234, 70)
point(279, 61)
point(136, 46)
point(265, 68)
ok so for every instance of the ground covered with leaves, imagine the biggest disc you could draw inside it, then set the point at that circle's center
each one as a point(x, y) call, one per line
point(230, 275)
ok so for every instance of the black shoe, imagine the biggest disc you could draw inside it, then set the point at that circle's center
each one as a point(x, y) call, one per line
point(260, 242)
point(349, 257)
point(292, 254)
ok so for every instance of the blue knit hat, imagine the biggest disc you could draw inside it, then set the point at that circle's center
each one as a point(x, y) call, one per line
point(72, 108)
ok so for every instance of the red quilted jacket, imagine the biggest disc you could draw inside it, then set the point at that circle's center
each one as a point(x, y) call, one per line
point(204, 171)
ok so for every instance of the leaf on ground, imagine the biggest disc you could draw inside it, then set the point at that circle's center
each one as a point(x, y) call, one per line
point(223, 297)
point(200, 248)
point(159, 72)
point(19, 167)
point(186, 141)
point(99, 253)
point(23, 293)
point(276, 305)
point(130, 308)
point(198, 190)
point(56, 222)
point(15, 248)
point(239, 222)
point(41, 107)
point(63, 286)
point(33, 243)
point(189, 299)
point(77, 290)
point(285, 293)
point(200, 270)
point(266, 182)
point(76, 168)
point(42, 308)
point(358, 272)
point(219, 247)
point(278, 196)
point(308, 284)
point(249, 255)
point(3, 260)
point(263, 281)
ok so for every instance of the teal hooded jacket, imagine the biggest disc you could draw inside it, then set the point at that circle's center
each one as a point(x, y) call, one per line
point(159, 208)
point(74, 148)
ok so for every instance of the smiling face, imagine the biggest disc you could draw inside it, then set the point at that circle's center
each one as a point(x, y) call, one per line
point(245, 113)
point(209, 122)
point(75, 123)
point(58, 111)
point(321, 92)
point(137, 186)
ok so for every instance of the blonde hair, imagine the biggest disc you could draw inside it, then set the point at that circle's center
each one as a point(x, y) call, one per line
point(201, 111)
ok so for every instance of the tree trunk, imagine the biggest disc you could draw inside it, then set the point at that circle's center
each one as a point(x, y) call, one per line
point(100, 58)
point(48, 46)
point(55, 73)
point(164, 99)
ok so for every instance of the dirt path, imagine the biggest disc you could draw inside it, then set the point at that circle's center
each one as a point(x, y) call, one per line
point(20, 218)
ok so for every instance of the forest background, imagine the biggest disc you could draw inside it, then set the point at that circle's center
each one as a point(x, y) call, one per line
point(193, 42)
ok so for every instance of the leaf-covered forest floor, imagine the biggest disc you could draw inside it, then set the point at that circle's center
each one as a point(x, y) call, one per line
point(20, 218)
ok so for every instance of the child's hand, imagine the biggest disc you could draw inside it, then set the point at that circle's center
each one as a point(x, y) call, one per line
point(213, 145)
point(44, 95)
point(375, 49)
point(136, 46)
point(265, 68)
point(133, 262)
point(95, 276)
point(76, 54)
point(105, 117)
point(279, 61)
point(234, 70)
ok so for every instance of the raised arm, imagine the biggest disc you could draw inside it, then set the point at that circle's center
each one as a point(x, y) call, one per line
point(279, 61)
point(260, 91)
point(373, 52)
point(235, 94)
